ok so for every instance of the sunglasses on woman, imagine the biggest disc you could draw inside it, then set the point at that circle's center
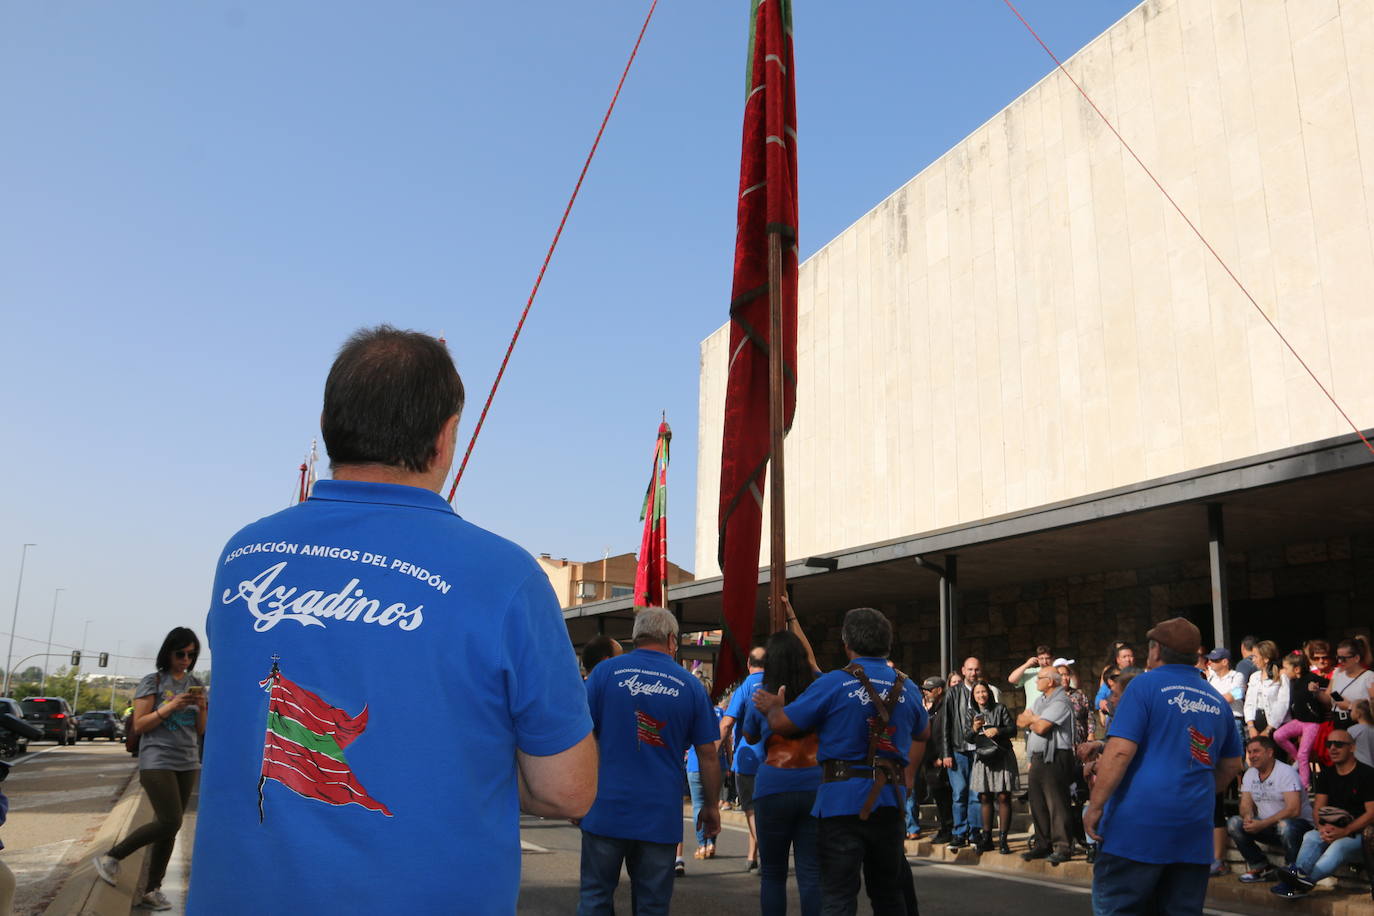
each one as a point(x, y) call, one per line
point(182, 653)
point(1346, 658)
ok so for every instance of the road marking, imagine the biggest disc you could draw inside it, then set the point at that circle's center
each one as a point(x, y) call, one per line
point(30, 756)
point(970, 872)
point(527, 846)
point(688, 820)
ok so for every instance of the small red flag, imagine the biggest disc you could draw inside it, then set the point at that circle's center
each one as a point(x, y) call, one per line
point(651, 571)
point(767, 205)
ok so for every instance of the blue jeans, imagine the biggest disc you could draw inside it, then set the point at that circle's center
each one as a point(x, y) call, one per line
point(651, 875)
point(1124, 887)
point(958, 785)
point(913, 809)
point(784, 820)
point(1287, 833)
point(698, 799)
point(1320, 859)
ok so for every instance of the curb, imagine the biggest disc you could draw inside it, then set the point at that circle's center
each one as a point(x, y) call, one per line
point(83, 893)
point(1220, 892)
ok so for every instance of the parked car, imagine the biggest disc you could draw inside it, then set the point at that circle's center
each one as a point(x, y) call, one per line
point(100, 723)
point(11, 743)
point(53, 715)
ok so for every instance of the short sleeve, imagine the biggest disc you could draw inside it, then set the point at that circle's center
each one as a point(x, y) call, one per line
point(1058, 712)
point(545, 694)
point(1102, 693)
point(1132, 718)
point(752, 726)
point(1288, 780)
point(146, 687)
point(805, 710)
point(737, 699)
point(922, 719)
point(1028, 676)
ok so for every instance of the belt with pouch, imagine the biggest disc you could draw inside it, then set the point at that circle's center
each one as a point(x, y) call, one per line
point(885, 771)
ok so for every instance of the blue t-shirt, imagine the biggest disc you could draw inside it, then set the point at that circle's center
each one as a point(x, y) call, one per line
point(1161, 813)
point(1103, 693)
point(747, 755)
point(770, 780)
point(383, 660)
point(838, 708)
point(694, 765)
point(648, 710)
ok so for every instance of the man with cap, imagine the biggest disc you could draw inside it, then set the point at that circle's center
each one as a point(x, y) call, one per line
point(1172, 746)
point(1228, 682)
point(932, 776)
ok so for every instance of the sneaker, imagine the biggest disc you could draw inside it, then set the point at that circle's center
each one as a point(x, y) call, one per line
point(1258, 874)
point(155, 900)
point(107, 867)
point(1286, 890)
point(944, 836)
point(680, 868)
point(1091, 854)
point(958, 841)
point(1218, 869)
point(1297, 879)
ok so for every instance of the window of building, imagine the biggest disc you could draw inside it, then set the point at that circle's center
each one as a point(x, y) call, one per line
point(622, 591)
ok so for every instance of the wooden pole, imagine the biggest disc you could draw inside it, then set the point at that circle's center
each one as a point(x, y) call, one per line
point(777, 528)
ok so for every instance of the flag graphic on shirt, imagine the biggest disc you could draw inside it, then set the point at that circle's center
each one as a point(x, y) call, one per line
point(885, 742)
point(304, 746)
point(1199, 746)
point(648, 729)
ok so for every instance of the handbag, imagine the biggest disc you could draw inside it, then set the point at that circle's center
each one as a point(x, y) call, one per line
point(985, 748)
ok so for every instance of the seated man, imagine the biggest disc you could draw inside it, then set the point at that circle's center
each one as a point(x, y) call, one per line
point(1273, 809)
point(1344, 807)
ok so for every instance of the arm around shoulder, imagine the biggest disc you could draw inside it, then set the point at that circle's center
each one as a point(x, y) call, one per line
point(559, 785)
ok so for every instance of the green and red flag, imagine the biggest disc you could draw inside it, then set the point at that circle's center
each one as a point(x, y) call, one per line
point(651, 570)
point(648, 729)
point(304, 747)
point(767, 206)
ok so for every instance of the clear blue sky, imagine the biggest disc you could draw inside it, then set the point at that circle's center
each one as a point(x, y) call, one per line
point(199, 202)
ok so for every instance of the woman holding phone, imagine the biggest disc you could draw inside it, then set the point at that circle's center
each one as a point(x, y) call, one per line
point(169, 717)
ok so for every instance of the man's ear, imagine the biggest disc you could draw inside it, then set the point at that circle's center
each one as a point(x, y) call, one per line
point(446, 444)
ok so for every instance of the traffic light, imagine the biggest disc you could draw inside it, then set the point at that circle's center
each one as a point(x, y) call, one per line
point(104, 659)
point(76, 657)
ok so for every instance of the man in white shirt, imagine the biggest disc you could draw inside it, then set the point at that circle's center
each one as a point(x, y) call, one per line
point(1228, 682)
point(1274, 809)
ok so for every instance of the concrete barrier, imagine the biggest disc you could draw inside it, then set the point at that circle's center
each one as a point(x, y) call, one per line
point(83, 893)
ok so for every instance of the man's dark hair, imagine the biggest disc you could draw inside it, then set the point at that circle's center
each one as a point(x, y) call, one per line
point(597, 649)
point(758, 657)
point(178, 638)
point(1171, 657)
point(867, 632)
point(1248, 643)
point(388, 394)
point(1043, 650)
point(1265, 742)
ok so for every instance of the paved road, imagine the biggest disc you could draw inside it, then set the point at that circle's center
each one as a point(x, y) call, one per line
point(722, 887)
point(59, 797)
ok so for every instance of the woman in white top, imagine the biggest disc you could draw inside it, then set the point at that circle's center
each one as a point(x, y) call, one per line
point(1266, 697)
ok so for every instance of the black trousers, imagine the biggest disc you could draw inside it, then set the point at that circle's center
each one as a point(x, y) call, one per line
point(936, 781)
point(849, 847)
point(1049, 798)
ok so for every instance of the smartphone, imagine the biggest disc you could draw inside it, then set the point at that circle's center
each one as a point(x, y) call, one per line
point(195, 689)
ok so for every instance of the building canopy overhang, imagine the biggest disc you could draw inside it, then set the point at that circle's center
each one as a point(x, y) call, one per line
point(1304, 493)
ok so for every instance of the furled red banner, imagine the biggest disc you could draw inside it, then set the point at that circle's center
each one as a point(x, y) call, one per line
point(651, 571)
point(767, 205)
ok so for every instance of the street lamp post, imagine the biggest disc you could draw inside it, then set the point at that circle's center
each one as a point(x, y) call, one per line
point(14, 621)
point(76, 674)
point(119, 654)
point(46, 660)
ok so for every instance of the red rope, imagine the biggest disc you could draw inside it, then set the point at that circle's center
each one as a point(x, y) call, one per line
point(1196, 231)
point(549, 256)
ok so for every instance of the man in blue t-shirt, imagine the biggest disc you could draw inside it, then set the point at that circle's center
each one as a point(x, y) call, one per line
point(865, 743)
point(647, 710)
point(1172, 747)
point(745, 764)
point(344, 629)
